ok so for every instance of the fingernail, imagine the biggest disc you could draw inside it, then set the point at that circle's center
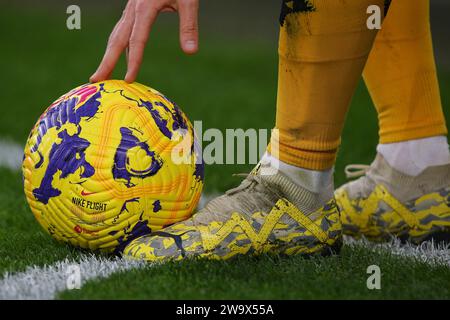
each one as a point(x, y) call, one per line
point(190, 45)
point(128, 78)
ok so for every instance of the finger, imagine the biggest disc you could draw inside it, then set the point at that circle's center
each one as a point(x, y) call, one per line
point(188, 10)
point(145, 16)
point(117, 42)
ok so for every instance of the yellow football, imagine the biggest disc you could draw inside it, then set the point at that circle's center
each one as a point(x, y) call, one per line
point(109, 162)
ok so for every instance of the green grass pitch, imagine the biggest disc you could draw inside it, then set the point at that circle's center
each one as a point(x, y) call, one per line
point(229, 84)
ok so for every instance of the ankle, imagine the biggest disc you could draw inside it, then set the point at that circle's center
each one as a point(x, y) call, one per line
point(412, 157)
point(312, 180)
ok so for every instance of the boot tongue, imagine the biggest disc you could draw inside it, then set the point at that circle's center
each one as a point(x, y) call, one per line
point(305, 200)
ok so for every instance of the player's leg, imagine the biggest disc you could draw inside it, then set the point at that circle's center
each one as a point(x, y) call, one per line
point(405, 192)
point(286, 204)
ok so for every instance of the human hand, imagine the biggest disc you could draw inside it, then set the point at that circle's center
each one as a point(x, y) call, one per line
point(132, 31)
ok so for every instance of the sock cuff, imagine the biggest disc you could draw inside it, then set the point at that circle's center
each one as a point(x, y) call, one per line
point(414, 156)
point(313, 180)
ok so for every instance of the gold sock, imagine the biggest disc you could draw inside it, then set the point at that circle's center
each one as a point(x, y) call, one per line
point(323, 48)
point(401, 75)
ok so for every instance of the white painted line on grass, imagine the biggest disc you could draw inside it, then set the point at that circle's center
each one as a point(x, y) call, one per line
point(46, 282)
point(11, 154)
point(428, 252)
